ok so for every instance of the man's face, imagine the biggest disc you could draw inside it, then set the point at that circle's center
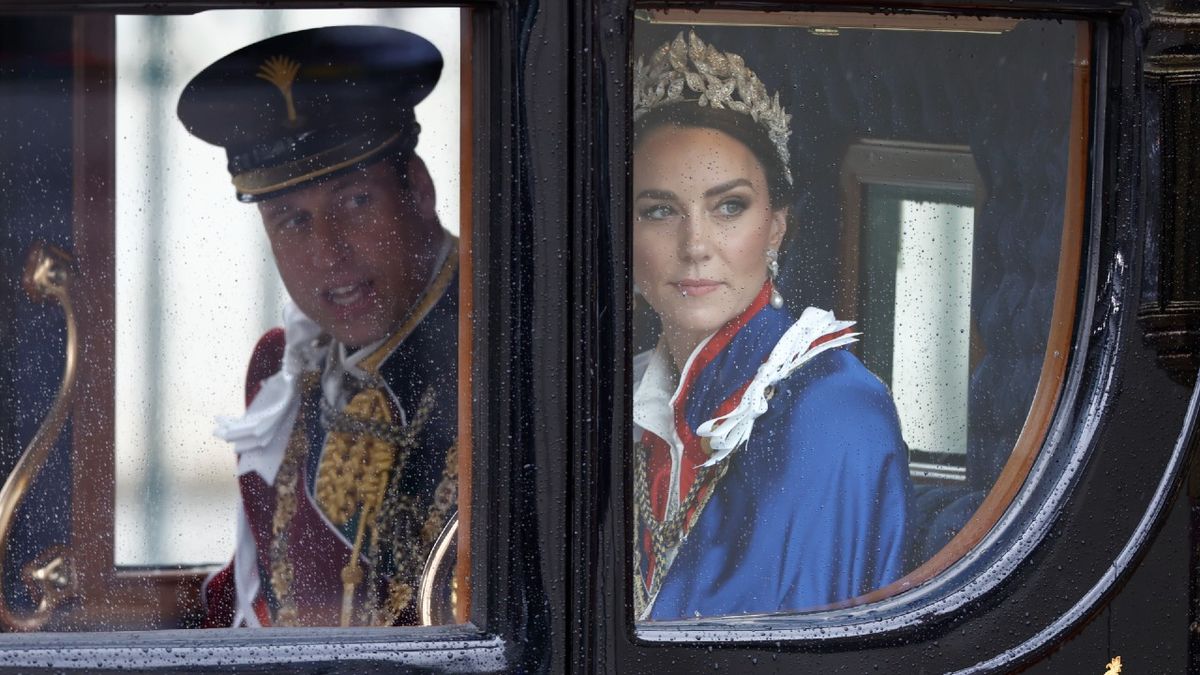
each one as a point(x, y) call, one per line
point(355, 251)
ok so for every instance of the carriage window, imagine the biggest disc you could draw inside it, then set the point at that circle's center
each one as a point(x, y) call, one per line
point(262, 233)
point(909, 236)
point(856, 244)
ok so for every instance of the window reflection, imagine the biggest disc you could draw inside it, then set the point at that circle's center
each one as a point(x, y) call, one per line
point(911, 209)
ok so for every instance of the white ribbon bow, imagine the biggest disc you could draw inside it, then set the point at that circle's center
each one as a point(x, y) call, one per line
point(260, 436)
point(729, 432)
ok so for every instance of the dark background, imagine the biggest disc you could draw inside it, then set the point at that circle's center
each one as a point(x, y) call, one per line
point(35, 204)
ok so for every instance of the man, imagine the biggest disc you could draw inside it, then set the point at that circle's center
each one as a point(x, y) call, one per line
point(346, 457)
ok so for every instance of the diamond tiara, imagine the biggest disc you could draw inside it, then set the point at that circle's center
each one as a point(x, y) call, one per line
point(720, 79)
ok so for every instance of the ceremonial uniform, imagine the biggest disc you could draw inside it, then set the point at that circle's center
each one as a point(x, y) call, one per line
point(346, 452)
point(368, 474)
point(770, 476)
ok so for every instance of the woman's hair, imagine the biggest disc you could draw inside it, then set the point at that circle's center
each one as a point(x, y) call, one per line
point(739, 126)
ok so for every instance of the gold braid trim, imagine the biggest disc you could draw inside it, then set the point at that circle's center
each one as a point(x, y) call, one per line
point(379, 522)
point(353, 456)
point(410, 552)
point(286, 481)
point(359, 466)
point(352, 475)
point(371, 502)
point(354, 467)
point(268, 179)
point(437, 288)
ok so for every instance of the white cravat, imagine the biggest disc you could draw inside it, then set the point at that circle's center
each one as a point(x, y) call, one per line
point(260, 438)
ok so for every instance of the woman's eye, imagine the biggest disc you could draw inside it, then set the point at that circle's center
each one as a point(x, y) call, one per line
point(731, 207)
point(656, 212)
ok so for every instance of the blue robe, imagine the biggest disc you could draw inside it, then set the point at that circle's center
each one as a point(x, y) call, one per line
point(812, 510)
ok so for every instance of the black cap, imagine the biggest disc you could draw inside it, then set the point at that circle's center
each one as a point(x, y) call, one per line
point(304, 105)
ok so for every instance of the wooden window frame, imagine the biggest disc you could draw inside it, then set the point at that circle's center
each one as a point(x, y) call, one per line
point(894, 163)
point(494, 343)
point(156, 597)
point(954, 618)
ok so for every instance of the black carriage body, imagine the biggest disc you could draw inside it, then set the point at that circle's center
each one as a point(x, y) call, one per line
point(1094, 559)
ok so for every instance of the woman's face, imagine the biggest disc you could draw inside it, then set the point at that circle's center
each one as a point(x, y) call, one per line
point(702, 226)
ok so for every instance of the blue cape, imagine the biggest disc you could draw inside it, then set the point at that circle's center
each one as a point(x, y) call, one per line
point(812, 510)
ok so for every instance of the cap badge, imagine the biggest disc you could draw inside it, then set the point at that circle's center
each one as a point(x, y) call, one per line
point(281, 72)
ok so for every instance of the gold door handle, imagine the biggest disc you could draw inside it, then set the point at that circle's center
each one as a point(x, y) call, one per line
point(49, 271)
point(436, 592)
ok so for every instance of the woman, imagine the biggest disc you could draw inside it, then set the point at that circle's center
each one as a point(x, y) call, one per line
point(770, 474)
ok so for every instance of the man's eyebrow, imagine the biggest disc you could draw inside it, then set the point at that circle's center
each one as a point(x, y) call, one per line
point(347, 183)
point(727, 186)
point(655, 194)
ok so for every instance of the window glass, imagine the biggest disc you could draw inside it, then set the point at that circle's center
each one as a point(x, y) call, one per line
point(188, 254)
point(267, 220)
point(855, 245)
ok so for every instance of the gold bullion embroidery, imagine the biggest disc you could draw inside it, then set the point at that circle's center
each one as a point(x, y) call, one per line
point(364, 453)
point(355, 466)
point(286, 481)
point(281, 72)
point(413, 538)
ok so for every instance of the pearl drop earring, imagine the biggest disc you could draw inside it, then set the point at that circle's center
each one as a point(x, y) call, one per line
point(773, 272)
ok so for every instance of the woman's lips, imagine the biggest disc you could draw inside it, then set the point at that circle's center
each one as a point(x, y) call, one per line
point(694, 288)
